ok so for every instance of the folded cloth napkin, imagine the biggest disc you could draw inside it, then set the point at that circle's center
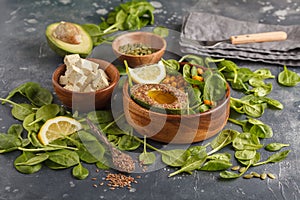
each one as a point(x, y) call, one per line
point(199, 26)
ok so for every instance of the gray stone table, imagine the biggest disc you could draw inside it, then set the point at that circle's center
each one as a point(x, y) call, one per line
point(25, 56)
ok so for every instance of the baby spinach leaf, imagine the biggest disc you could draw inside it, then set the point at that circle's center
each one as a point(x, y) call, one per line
point(39, 96)
point(46, 112)
point(229, 175)
point(100, 116)
point(16, 130)
point(35, 127)
point(9, 142)
point(261, 130)
point(64, 157)
point(275, 146)
point(20, 89)
point(245, 154)
point(288, 77)
point(223, 139)
point(90, 150)
point(192, 163)
point(80, 172)
point(253, 160)
point(246, 141)
point(26, 169)
point(103, 164)
point(175, 157)
point(193, 59)
point(128, 143)
point(147, 158)
point(34, 160)
point(277, 157)
point(216, 165)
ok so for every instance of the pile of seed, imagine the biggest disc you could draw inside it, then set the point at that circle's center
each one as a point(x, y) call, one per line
point(137, 49)
point(117, 180)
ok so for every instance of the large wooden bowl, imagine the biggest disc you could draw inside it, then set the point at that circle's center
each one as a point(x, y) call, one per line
point(177, 129)
point(87, 101)
point(150, 39)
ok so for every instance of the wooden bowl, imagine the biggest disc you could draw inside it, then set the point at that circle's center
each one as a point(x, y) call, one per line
point(87, 101)
point(177, 129)
point(150, 39)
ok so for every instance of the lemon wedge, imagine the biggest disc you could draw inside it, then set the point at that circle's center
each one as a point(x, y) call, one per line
point(148, 74)
point(57, 127)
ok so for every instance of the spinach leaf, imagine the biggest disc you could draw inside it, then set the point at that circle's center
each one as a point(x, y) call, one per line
point(246, 141)
point(80, 172)
point(34, 160)
point(128, 143)
point(64, 157)
point(103, 164)
point(26, 169)
point(275, 146)
point(175, 157)
point(288, 77)
point(20, 89)
point(217, 162)
point(46, 112)
point(277, 157)
point(146, 158)
point(245, 154)
point(9, 142)
point(223, 139)
point(90, 150)
point(38, 96)
point(16, 130)
point(195, 160)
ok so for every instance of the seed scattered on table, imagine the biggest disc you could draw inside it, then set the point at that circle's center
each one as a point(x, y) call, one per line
point(263, 176)
point(255, 174)
point(235, 168)
point(270, 175)
point(248, 176)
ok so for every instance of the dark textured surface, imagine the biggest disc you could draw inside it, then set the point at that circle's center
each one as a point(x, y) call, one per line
point(25, 56)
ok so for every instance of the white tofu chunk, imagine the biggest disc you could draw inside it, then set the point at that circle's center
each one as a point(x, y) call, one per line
point(72, 59)
point(87, 66)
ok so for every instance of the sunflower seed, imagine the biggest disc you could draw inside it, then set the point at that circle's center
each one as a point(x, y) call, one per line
point(270, 175)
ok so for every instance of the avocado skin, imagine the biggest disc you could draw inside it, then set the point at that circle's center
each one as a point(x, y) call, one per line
point(60, 50)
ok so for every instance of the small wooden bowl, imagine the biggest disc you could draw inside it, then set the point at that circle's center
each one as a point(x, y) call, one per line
point(177, 129)
point(86, 101)
point(150, 39)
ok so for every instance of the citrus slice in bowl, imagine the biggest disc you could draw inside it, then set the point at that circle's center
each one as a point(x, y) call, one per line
point(56, 128)
point(148, 74)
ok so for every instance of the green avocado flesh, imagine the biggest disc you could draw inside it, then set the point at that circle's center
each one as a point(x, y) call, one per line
point(63, 48)
point(160, 98)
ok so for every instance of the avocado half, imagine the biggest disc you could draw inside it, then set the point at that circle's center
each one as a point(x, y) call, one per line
point(160, 98)
point(63, 48)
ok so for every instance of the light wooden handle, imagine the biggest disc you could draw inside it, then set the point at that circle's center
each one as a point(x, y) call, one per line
point(258, 37)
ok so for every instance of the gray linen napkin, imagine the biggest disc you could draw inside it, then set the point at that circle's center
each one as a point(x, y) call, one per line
point(199, 26)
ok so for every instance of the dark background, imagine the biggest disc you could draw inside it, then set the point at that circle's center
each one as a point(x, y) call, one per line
point(25, 56)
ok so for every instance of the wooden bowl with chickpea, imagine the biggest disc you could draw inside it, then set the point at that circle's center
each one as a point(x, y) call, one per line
point(168, 113)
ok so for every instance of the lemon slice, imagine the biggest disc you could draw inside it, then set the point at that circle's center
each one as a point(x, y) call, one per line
point(57, 127)
point(148, 74)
